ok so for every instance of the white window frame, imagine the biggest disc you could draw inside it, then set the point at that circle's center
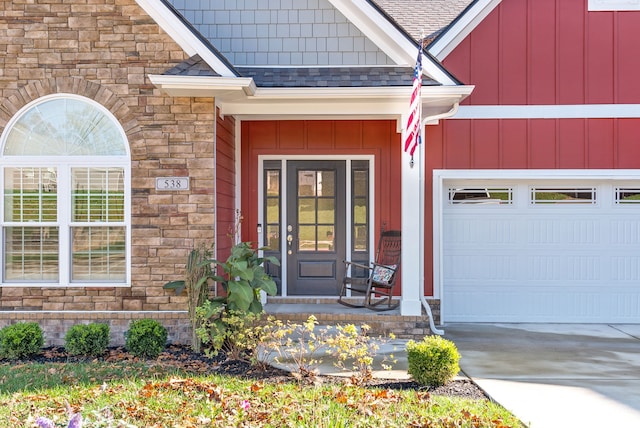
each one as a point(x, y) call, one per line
point(64, 165)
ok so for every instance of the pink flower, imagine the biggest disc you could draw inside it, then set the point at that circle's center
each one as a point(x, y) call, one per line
point(245, 405)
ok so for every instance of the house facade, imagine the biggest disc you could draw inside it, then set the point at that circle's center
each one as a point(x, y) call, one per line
point(133, 131)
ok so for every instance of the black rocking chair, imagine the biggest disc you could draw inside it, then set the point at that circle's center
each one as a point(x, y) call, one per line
point(376, 281)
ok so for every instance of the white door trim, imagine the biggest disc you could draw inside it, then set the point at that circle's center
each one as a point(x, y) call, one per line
point(283, 201)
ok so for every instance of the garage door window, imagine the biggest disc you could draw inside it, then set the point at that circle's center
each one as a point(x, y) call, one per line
point(501, 196)
point(627, 196)
point(554, 196)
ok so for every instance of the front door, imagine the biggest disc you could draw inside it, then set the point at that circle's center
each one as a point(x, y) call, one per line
point(315, 227)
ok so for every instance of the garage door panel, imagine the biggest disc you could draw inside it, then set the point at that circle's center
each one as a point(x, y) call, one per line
point(481, 267)
point(495, 231)
point(626, 268)
point(542, 263)
point(541, 304)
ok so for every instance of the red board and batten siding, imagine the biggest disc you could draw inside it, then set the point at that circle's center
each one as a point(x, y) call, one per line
point(225, 184)
point(542, 52)
point(532, 52)
point(323, 138)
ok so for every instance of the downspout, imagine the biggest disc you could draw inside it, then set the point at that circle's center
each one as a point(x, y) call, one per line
point(423, 298)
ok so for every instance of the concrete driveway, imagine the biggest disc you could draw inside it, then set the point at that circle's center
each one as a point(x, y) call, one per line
point(556, 375)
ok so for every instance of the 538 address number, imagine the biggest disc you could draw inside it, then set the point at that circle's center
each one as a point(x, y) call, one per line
point(172, 183)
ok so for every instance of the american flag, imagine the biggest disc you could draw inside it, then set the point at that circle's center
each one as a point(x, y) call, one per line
point(412, 136)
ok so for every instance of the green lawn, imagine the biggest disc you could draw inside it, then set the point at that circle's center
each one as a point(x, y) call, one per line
point(153, 394)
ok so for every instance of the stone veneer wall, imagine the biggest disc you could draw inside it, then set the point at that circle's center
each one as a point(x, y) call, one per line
point(104, 50)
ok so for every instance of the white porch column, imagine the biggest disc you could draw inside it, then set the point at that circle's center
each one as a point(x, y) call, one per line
point(412, 232)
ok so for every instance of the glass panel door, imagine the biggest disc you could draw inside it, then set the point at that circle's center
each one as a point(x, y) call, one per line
point(315, 227)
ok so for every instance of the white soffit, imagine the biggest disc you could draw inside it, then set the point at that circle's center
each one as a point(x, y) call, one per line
point(188, 41)
point(461, 28)
point(388, 38)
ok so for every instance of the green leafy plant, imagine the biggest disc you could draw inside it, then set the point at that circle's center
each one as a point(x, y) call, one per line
point(87, 339)
point(145, 338)
point(20, 340)
point(242, 277)
point(198, 275)
point(433, 361)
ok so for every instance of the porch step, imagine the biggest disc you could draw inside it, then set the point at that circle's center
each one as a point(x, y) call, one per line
point(328, 312)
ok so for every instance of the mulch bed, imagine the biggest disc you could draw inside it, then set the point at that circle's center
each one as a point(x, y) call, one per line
point(184, 358)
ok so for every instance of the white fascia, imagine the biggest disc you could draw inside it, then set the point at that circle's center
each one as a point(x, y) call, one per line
point(188, 41)
point(201, 86)
point(341, 103)
point(388, 38)
point(462, 28)
point(239, 96)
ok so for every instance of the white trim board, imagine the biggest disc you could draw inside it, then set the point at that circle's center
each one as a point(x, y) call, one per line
point(566, 111)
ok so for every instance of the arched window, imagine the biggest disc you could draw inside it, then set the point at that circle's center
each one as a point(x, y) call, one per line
point(65, 179)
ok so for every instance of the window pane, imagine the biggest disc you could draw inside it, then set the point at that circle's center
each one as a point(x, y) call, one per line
point(30, 194)
point(273, 183)
point(502, 196)
point(306, 210)
point(31, 254)
point(563, 196)
point(307, 238)
point(325, 238)
point(306, 183)
point(360, 183)
point(273, 238)
point(273, 210)
point(97, 195)
point(98, 254)
point(65, 127)
point(326, 183)
point(360, 240)
point(627, 196)
point(326, 211)
point(360, 211)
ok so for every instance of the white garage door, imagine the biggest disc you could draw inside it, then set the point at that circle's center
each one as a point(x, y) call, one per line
point(541, 251)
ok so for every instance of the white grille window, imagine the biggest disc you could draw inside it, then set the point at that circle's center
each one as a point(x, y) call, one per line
point(627, 195)
point(552, 196)
point(488, 196)
point(65, 194)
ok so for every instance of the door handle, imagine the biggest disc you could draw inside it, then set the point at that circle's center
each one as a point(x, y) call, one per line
point(289, 239)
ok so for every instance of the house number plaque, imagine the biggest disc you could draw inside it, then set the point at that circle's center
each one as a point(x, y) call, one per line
point(172, 183)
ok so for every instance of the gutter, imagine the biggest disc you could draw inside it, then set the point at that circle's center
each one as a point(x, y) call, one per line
point(423, 299)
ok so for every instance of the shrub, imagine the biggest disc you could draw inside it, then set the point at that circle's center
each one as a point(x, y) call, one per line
point(19, 340)
point(145, 338)
point(236, 333)
point(87, 339)
point(433, 361)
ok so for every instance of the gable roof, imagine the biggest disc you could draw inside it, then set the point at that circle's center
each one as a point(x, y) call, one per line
point(327, 92)
point(423, 18)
